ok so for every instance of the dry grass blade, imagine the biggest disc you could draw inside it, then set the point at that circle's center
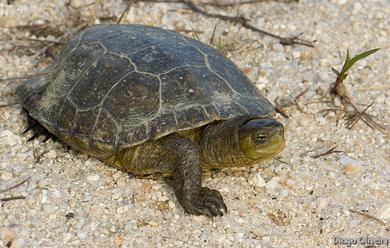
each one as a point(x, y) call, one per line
point(83, 6)
point(12, 198)
point(245, 22)
point(215, 4)
point(15, 186)
point(285, 103)
point(329, 151)
point(368, 216)
point(352, 117)
point(45, 41)
point(213, 34)
point(41, 30)
point(281, 161)
point(125, 11)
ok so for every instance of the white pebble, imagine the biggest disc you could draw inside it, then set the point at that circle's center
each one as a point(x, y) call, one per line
point(273, 184)
point(66, 237)
point(156, 186)
point(93, 178)
point(51, 154)
point(163, 198)
point(128, 227)
point(82, 235)
point(152, 223)
point(348, 160)
point(10, 138)
point(6, 175)
point(256, 180)
point(19, 243)
point(384, 212)
point(44, 196)
point(284, 193)
point(296, 54)
point(309, 187)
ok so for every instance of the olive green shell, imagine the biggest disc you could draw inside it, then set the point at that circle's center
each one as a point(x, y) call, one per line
point(121, 85)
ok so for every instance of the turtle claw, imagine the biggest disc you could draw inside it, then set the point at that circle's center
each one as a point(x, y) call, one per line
point(36, 128)
point(209, 203)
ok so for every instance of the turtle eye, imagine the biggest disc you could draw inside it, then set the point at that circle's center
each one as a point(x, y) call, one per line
point(259, 137)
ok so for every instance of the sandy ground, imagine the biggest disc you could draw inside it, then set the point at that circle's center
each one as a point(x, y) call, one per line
point(72, 200)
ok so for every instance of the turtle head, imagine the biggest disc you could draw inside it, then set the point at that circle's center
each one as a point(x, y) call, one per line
point(261, 138)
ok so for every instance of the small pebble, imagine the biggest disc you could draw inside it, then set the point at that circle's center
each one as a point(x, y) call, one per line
point(6, 176)
point(44, 196)
point(351, 169)
point(69, 216)
point(51, 154)
point(156, 186)
point(256, 180)
point(284, 193)
point(19, 243)
point(162, 205)
point(8, 234)
point(82, 235)
point(10, 138)
point(272, 185)
point(153, 223)
point(93, 178)
point(384, 212)
point(348, 160)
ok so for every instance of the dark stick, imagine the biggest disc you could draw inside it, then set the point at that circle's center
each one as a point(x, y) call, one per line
point(368, 216)
point(125, 11)
point(279, 107)
point(330, 151)
point(238, 20)
point(12, 198)
point(243, 3)
point(15, 186)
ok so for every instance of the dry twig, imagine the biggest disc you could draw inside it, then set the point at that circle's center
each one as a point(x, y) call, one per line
point(231, 4)
point(281, 161)
point(329, 151)
point(12, 198)
point(245, 22)
point(125, 11)
point(5, 199)
point(15, 186)
point(284, 103)
point(368, 216)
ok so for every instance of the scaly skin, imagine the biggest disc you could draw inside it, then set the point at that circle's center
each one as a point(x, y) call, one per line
point(182, 156)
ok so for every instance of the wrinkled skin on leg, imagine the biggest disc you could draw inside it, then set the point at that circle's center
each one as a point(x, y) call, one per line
point(187, 179)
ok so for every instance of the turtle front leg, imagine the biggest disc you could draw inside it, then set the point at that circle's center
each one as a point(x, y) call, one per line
point(187, 179)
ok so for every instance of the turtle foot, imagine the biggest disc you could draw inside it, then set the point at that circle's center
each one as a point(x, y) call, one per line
point(209, 203)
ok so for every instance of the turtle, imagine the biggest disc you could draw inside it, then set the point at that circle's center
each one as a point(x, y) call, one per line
point(154, 103)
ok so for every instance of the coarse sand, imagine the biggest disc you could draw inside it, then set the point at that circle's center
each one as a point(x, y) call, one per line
point(295, 200)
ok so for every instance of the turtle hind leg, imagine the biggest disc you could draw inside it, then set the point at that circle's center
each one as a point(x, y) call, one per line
point(37, 129)
point(29, 123)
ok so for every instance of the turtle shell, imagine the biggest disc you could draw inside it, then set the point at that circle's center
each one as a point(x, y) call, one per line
point(121, 85)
